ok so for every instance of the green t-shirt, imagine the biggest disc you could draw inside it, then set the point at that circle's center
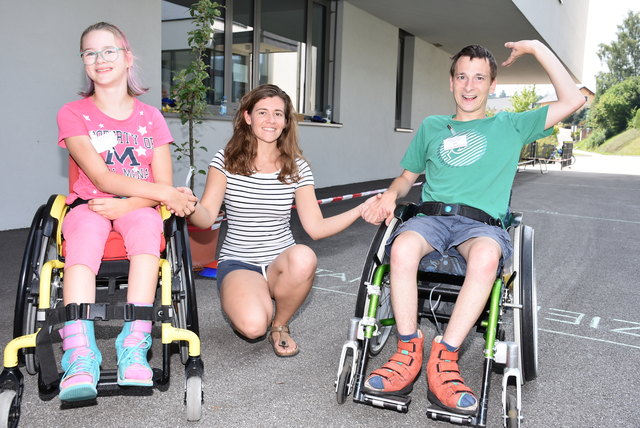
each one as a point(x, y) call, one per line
point(473, 163)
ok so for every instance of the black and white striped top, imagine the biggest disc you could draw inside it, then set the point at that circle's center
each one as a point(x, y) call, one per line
point(258, 209)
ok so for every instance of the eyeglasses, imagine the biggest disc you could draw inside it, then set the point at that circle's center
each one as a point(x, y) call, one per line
point(109, 54)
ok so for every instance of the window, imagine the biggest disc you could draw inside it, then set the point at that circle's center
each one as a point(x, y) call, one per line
point(404, 80)
point(283, 42)
point(176, 54)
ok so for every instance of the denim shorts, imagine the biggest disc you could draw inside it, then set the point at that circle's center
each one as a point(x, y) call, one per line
point(444, 233)
point(225, 267)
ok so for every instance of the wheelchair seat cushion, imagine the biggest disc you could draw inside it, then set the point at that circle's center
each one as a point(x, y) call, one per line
point(451, 263)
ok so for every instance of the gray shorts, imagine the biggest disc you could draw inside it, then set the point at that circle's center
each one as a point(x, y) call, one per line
point(445, 233)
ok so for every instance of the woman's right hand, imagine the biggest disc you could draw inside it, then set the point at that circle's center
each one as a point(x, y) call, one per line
point(179, 201)
point(378, 208)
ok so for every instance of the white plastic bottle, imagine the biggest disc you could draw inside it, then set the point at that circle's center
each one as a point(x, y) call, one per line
point(223, 106)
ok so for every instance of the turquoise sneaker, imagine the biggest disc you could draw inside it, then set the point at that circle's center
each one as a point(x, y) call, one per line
point(132, 346)
point(80, 362)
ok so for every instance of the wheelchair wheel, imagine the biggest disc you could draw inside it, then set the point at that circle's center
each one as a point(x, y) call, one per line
point(524, 294)
point(512, 420)
point(40, 248)
point(375, 258)
point(193, 398)
point(24, 317)
point(9, 409)
point(28, 272)
point(342, 389)
point(184, 297)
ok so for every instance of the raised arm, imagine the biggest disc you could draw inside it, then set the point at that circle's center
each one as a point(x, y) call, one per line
point(93, 165)
point(385, 204)
point(569, 97)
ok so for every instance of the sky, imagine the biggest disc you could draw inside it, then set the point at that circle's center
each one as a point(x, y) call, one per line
point(602, 27)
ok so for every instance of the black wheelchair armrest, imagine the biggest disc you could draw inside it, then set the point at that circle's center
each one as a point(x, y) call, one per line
point(405, 210)
point(513, 219)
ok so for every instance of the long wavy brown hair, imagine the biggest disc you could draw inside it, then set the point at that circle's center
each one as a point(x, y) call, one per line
point(241, 150)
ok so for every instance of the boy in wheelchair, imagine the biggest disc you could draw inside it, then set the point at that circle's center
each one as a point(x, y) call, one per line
point(469, 162)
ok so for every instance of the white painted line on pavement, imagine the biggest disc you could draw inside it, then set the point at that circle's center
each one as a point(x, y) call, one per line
point(589, 338)
point(335, 291)
point(590, 186)
point(581, 216)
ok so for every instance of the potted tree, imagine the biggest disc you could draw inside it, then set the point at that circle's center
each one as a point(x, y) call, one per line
point(189, 94)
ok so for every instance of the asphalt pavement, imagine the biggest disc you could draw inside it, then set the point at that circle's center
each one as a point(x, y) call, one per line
point(587, 225)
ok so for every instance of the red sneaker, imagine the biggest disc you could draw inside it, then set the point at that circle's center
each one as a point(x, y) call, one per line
point(398, 374)
point(446, 385)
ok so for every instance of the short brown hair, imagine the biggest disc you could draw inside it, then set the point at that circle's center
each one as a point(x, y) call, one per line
point(475, 51)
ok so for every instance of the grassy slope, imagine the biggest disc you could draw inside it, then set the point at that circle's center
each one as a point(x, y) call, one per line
point(626, 143)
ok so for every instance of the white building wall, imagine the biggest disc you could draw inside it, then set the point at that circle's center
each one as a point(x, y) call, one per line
point(431, 94)
point(552, 19)
point(35, 86)
point(40, 71)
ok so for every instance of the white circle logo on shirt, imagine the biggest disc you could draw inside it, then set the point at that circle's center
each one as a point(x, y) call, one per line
point(469, 153)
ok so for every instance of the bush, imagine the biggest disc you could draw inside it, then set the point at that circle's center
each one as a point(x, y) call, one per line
point(595, 139)
point(616, 107)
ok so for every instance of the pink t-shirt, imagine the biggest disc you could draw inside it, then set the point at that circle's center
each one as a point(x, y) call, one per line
point(125, 145)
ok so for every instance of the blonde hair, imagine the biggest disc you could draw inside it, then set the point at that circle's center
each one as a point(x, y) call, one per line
point(134, 87)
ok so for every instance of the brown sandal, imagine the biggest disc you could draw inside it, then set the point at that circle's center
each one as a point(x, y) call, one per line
point(283, 342)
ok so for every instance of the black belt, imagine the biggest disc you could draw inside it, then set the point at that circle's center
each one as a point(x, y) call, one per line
point(440, 208)
point(77, 202)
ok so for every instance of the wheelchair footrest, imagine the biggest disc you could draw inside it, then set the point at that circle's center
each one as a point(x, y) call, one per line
point(108, 382)
point(438, 414)
point(399, 403)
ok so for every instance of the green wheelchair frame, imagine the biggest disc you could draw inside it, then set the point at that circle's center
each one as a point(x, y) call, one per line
point(514, 289)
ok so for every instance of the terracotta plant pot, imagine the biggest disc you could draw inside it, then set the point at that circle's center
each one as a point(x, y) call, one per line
point(204, 243)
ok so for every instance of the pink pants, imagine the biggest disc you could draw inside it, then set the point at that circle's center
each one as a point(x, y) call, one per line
point(86, 234)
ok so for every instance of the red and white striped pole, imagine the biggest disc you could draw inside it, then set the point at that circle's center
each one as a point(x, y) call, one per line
point(355, 195)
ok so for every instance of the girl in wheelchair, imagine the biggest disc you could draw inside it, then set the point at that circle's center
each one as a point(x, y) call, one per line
point(121, 147)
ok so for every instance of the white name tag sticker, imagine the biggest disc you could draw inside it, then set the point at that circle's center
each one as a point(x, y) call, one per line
point(455, 142)
point(104, 142)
